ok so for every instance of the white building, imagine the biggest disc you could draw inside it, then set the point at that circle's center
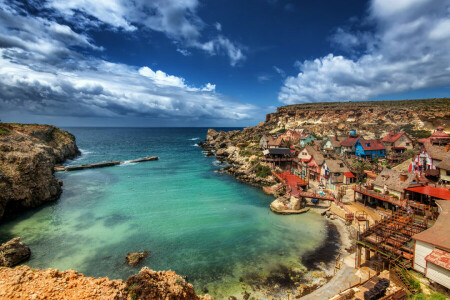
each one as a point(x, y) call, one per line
point(432, 248)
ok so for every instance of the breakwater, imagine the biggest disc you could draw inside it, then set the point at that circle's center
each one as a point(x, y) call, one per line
point(103, 164)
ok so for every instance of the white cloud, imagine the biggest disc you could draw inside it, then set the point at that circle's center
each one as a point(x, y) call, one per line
point(177, 19)
point(279, 71)
point(41, 75)
point(408, 51)
point(184, 52)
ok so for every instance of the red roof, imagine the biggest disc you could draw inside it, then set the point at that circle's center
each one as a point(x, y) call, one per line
point(439, 133)
point(439, 257)
point(349, 141)
point(349, 174)
point(440, 193)
point(392, 137)
point(372, 144)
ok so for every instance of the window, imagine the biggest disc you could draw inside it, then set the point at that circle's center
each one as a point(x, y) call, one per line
point(337, 174)
point(407, 144)
point(448, 172)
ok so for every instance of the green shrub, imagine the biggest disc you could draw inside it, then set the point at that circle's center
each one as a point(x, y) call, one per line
point(262, 171)
point(4, 131)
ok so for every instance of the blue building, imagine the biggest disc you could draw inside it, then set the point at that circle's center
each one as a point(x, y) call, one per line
point(370, 149)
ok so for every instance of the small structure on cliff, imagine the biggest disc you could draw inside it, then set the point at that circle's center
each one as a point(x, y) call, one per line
point(439, 137)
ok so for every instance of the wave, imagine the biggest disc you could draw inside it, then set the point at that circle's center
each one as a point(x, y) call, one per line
point(194, 139)
point(127, 163)
point(219, 164)
point(85, 152)
point(195, 145)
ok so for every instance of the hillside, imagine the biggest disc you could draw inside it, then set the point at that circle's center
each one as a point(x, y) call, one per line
point(371, 118)
point(28, 153)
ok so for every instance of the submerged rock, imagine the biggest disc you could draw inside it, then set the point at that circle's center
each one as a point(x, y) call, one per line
point(13, 253)
point(135, 258)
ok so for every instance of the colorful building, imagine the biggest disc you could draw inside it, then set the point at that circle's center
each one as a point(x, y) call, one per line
point(439, 137)
point(306, 140)
point(426, 161)
point(369, 149)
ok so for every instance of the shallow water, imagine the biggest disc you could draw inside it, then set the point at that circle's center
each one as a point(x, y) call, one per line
point(201, 224)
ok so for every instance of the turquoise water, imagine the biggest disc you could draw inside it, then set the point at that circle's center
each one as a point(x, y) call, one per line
point(201, 224)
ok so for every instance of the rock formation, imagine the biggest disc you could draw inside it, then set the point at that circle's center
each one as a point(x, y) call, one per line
point(28, 154)
point(135, 258)
point(148, 284)
point(13, 253)
point(25, 283)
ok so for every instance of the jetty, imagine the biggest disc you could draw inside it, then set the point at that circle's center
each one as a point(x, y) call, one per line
point(103, 164)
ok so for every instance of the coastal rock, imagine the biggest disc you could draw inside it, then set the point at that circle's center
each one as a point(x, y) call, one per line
point(148, 284)
point(135, 258)
point(29, 154)
point(25, 283)
point(13, 253)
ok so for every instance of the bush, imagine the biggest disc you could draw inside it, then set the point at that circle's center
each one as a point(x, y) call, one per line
point(262, 171)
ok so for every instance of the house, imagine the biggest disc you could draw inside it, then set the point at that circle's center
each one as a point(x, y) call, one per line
point(277, 143)
point(292, 136)
point(306, 139)
point(432, 248)
point(444, 167)
point(278, 157)
point(348, 145)
point(333, 143)
point(369, 149)
point(333, 173)
point(397, 142)
point(426, 161)
point(439, 137)
point(394, 183)
point(311, 162)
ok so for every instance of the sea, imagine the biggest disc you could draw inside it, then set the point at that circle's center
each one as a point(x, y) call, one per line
point(200, 223)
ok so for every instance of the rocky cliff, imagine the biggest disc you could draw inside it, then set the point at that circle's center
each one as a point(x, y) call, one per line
point(370, 118)
point(28, 154)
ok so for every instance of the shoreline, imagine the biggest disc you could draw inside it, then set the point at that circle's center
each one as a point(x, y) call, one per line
point(319, 271)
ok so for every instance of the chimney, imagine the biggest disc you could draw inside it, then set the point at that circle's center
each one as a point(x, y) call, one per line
point(403, 177)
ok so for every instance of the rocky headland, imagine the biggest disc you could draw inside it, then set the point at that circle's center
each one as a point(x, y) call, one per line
point(28, 154)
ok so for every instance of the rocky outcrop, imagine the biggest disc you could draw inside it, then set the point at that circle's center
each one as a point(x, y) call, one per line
point(135, 258)
point(229, 147)
point(25, 283)
point(13, 253)
point(148, 284)
point(28, 154)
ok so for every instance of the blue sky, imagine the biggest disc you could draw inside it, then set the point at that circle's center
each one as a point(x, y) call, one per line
point(213, 63)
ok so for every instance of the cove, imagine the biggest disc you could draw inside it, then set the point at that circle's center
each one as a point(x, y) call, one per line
point(203, 225)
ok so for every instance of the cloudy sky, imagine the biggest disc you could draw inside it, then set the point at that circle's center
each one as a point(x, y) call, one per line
point(214, 62)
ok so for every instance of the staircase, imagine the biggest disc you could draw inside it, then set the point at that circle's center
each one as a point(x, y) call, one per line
point(399, 272)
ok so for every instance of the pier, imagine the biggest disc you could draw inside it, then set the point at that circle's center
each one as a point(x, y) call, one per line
point(103, 164)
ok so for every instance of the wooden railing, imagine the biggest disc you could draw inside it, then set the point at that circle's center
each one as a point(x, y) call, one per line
point(378, 195)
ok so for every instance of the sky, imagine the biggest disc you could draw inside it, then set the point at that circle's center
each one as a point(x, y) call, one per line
point(213, 62)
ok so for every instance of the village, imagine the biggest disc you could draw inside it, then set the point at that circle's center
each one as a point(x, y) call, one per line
point(393, 191)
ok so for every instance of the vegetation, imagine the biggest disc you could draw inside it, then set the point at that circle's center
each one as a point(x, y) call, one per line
point(435, 104)
point(246, 153)
point(433, 296)
point(415, 134)
point(262, 171)
point(4, 131)
point(358, 167)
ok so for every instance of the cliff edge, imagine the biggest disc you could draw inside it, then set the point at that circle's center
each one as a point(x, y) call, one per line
point(28, 154)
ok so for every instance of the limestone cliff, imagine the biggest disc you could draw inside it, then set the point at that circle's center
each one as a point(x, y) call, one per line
point(370, 118)
point(28, 154)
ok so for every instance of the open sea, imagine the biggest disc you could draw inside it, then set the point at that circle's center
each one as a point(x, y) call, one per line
point(203, 225)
